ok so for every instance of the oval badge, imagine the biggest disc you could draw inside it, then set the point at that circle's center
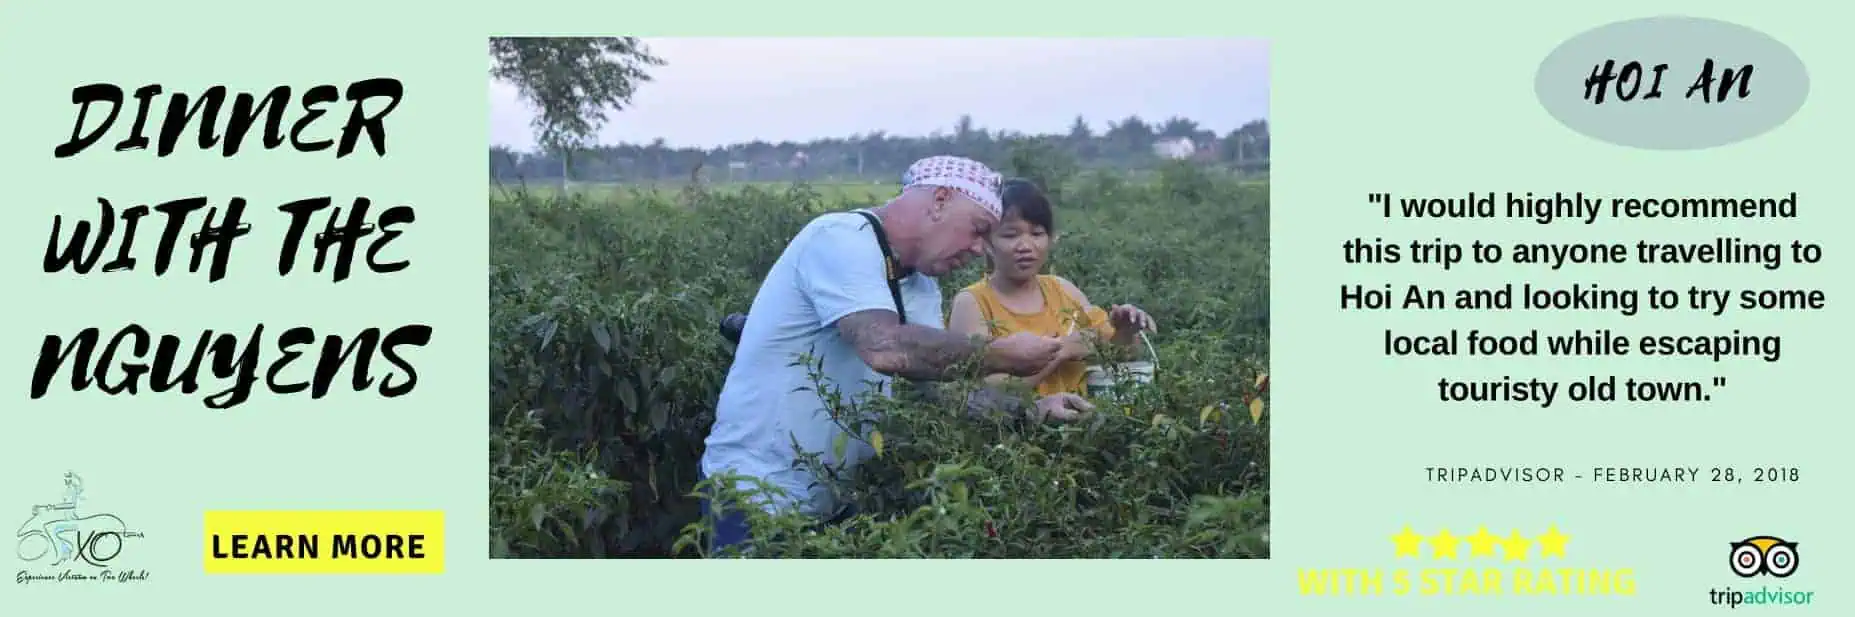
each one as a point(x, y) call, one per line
point(1672, 83)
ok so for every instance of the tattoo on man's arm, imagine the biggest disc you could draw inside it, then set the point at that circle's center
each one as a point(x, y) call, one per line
point(905, 350)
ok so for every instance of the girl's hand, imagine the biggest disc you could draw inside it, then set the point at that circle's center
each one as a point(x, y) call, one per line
point(1130, 317)
point(1075, 347)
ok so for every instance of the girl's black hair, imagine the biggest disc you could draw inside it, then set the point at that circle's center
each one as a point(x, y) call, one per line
point(1023, 198)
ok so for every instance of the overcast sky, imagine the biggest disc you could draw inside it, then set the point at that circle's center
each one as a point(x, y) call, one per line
point(717, 91)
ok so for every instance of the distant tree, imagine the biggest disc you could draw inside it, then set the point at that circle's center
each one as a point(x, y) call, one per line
point(574, 82)
point(1131, 137)
point(963, 130)
point(1249, 142)
point(1178, 126)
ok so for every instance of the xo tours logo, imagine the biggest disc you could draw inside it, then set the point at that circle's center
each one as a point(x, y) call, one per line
point(1762, 557)
point(65, 541)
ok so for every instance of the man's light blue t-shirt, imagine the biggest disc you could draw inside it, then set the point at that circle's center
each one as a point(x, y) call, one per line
point(832, 268)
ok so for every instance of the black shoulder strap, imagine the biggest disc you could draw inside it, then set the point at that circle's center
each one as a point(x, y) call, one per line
point(891, 270)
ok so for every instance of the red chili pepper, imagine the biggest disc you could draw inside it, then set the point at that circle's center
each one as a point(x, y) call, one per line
point(990, 531)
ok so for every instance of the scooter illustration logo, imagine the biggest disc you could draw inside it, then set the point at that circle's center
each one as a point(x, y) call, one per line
point(63, 534)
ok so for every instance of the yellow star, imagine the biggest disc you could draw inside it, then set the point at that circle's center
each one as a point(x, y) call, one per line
point(1444, 544)
point(1407, 542)
point(1514, 547)
point(1481, 544)
point(1552, 542)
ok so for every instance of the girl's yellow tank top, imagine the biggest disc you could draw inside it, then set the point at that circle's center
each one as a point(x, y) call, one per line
point(1060, 310)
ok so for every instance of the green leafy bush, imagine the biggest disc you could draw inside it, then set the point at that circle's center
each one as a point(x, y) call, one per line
point(605, 366)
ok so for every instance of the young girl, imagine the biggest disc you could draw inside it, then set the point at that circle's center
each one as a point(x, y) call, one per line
point(1015, 297)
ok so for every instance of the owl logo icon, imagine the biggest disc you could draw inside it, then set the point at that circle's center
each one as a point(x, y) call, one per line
point(1764, 555)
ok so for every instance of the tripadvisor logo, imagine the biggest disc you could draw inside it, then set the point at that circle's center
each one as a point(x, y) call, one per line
point(66, 542)
point(1762, 557)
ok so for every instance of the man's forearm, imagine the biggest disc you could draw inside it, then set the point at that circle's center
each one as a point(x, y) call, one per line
point(931, 353)
point(994, 399)
point(990, 399)
point(912, 351)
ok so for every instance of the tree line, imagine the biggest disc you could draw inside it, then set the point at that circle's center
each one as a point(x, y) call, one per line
point(577, 82)
point(1128, 143)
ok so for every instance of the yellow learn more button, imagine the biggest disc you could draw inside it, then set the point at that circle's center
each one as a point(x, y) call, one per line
point(324, 542)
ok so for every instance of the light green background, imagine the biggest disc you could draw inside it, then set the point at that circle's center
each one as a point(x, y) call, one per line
point(1394, 99)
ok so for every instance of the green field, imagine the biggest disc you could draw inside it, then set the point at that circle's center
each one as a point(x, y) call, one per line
point(605, 365)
